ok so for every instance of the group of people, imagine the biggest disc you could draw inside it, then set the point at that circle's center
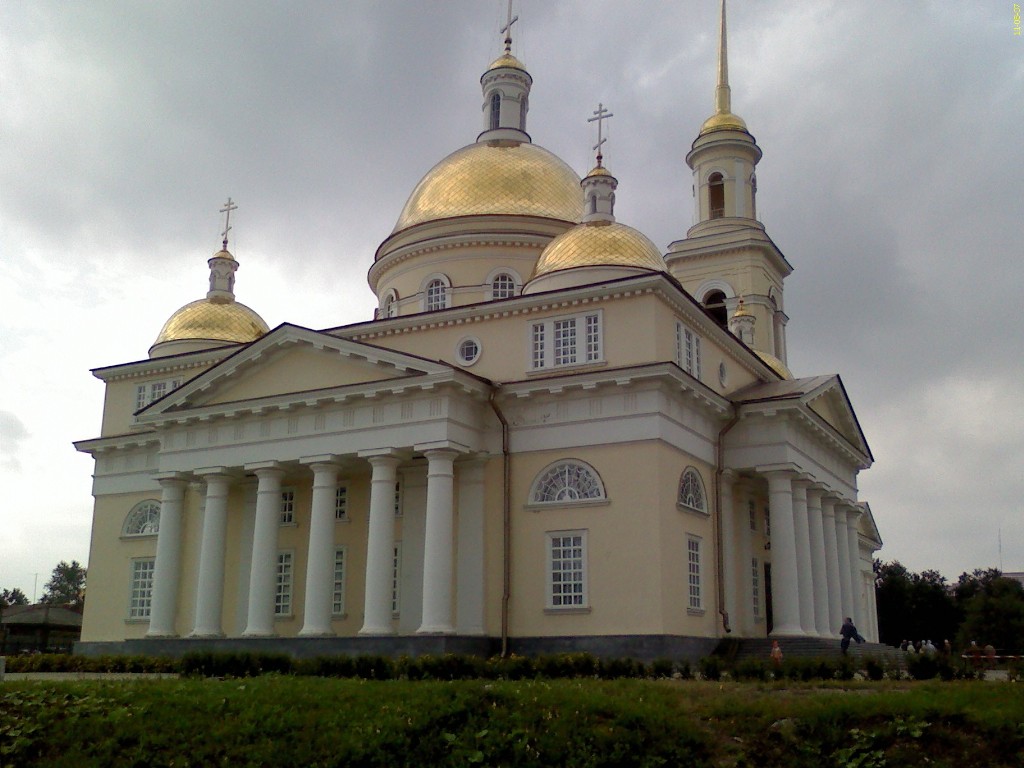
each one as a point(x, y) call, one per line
point(926, 647)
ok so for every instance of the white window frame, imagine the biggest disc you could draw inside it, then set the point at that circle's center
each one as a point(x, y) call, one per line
point(755, 587)
point(566, 341)
point(140, 589)
point(341, 503)
point(154, 390)
point(284, 583)
point(688, 353)
point(149, 513)
point(286, 514)
point(389, 304)
point(431, 294)
point(694, 574)
point(396, 580)
point(340, 581)
point(564, 475)
point(693, 476)
point(467, 343)
point(559, 564)
point(513, 277)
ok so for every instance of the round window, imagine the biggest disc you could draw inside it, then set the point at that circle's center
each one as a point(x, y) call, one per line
point(469, 350)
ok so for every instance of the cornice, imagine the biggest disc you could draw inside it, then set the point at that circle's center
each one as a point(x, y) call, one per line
point(819, 429)
point(170, 364)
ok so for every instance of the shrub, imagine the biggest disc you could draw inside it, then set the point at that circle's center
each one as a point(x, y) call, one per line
point(610, 669)
point(662, 668)
point(873, 668)
point(751, 669)
point(710, 668)
point(922, 666)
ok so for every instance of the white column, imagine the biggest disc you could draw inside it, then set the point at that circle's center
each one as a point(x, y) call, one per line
point(845, 569)
point(320, 557)
point(819, 572)
point(210, 589)
point(469, 568)
point(167, 568)
point(380, 547)
point(263, 572)
point(727, 521)
point(785, 587)
point(856, 580)
point(803, 558)
point(438, 548)
point(835, 590)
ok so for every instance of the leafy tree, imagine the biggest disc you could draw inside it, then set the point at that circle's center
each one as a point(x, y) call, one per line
point(12, 597)
point(913, 606)
point(993, 611)
point(66, 585)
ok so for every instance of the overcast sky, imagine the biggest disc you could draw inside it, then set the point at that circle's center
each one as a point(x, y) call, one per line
point(891, 179)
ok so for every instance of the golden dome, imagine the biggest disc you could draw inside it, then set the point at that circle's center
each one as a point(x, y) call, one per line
point(599, 170)
point(600, 243)
point(723, 121)
point(496, 177)
point(226, 321)
point(506, 60)
point(775, 364)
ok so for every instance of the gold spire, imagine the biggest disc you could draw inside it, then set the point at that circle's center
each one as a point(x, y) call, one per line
point(723, 119)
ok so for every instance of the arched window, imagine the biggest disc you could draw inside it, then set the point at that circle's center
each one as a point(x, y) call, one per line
point(435, 295)
point(495, 110)
point(691, 491)
point(503, 286)
point(714, 302)
point(524, 105)
point(565, 482)
point(389, 306)
point(716, 196)
point(143, 519)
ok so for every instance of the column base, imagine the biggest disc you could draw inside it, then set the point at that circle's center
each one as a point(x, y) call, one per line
point(258, 633)
point(793, 631)
point(161, 635)
point(317, 633)
point(376, 631)
point(435, 630)
point(202, 634)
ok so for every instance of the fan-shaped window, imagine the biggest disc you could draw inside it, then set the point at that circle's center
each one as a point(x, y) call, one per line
point(503, 286)
point(143, 519)
point(566, 482)
point(691, 491)
point(435, 295)
point(495, 110)
point(716, 196)
point(714, 302)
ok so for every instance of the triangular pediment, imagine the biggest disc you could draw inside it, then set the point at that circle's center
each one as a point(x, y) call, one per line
point(830, 402)
point(294, 360)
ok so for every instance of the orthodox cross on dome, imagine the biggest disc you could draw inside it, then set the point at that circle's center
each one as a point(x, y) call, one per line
point(600, 115)
point(226, 210)
point(507, 29)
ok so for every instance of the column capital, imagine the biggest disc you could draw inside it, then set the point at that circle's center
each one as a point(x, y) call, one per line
point(437, 445)
point(206, 473)
point(260, 468)
point(322, 458)
point(441, 454)
point(729, 475)
point(171, 479)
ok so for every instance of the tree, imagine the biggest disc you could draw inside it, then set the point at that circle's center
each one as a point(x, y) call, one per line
point(993, 611)
point(66, 585)
point(913, 606)
point(12, 597)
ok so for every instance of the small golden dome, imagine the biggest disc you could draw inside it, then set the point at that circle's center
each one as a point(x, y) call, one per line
point(204, 319)
point(723, 121)
point(741, 309)
point(496, 177)
point(600, 243)
point(223, 253)
point(599, 170)
point(775, 364)
point(506, 60)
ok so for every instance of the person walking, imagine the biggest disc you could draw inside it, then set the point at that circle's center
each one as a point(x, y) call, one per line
point(849, 632)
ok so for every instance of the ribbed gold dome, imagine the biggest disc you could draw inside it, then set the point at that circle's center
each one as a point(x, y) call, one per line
point(226, 321)
point(723, 121)
point(775, 364)
point(506, 60)
point(600, 243)
point(496, 177)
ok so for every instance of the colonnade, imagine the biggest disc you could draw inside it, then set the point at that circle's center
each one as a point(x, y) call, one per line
point(439, 559)
point(815, 548)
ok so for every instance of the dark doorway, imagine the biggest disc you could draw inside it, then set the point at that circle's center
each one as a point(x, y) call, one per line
point(768, 596)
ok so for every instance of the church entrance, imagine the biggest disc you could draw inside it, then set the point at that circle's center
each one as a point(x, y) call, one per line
point(768, 596)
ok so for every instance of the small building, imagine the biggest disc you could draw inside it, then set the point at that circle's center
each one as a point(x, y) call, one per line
point(39, 628)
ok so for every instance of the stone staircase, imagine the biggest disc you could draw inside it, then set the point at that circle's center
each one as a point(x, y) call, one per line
point(804, 647)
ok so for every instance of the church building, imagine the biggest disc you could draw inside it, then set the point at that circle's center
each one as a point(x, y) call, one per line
point(552, 436)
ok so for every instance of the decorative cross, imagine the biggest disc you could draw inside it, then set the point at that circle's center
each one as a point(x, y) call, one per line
point(600, 115)
point(227, 209)
point(507, 29)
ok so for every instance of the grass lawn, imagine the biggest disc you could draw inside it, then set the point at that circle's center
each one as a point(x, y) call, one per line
point(299, 721)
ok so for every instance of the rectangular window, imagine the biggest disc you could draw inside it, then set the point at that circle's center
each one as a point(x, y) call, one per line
point(341, 502)
point(287, 506)
point(398, 499)
point(693, 572)
point(767, 523)
point(687, 350)
point(154, 390)
point(140, 397)
point(752, 514)
point(755, 587)
point(338, 602)
point(142, 588)
point(283, 596)
point(396, 580)
point(158, 390)
point(567, 569)
point(575, 340)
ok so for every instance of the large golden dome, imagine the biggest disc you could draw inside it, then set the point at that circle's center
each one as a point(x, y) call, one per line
point(205, 319)
point(496, 177)
point(600, 243)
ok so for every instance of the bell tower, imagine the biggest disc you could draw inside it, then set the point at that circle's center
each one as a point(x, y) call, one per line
point(726, 253)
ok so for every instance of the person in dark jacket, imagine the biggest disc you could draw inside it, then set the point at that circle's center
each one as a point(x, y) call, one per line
point(849, 632)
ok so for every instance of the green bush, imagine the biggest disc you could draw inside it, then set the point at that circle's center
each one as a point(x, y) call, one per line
point(751, 669)
point(710, 668)
point(873, 668)
point(922, 666)
point(662, 668)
